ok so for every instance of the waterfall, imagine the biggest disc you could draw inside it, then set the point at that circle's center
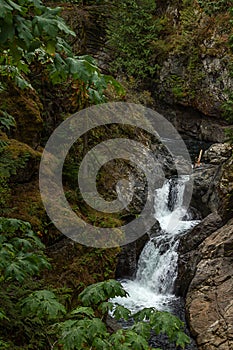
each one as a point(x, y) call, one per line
point(157, 265)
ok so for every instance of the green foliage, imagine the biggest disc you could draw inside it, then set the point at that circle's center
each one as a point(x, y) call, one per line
point(120, 312)
point(4, 345)
point(86, 329)
point(21, 253)
point(100, 292)
point(213, 7)
point(82, 328)
point(169, 324)
point(32, 32)
point(41, 305)
point(27, 26)
point(81, 334)
point(5, 193)
point(22, 258)
point(9, 165)
point(132, 29)
point(6, 120)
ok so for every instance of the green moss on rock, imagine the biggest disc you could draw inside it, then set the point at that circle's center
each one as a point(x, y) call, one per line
point(25, 107)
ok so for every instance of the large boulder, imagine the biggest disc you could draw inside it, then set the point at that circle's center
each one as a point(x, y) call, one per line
point(206, 254)
point(209, 298)
point(189, 254)
point(205, 179)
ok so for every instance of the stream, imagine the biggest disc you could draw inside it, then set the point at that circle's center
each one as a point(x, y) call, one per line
point(153, 285)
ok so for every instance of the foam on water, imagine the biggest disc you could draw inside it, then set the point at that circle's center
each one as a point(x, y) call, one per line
point(157, 265)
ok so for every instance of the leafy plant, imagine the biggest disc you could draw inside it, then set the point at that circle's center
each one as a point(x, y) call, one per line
point(20, 251)
point(32, 32)
point(42, 304)
point(21, 259)
point(82, 328)
point(100, 292)
point(6, 120)
point(86, 329)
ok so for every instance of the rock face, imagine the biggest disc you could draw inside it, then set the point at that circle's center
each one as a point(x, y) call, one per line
point(130, 253)
point(195, 72)
point(205, 178)
point(128, 258)
point(205, 275)
point(218, 153)
point(209, 299)
point(189, 253)
point(212, 181)
point(193, 124)
point(212, 78)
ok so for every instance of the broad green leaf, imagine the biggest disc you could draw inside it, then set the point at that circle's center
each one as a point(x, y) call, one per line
point(7, 33)
point(83, 311)
point(137, 341)
point(182, 339)
point(73, 335)
point(20, 256)
point(143, 329)
point(64, 28)
point(120, 312)
point(5, 8)
point(42, 304)
point(96, 328)
point(102, 291)
point(106, 307)
point(50, 47)
point(101, 344)
point(144, 314)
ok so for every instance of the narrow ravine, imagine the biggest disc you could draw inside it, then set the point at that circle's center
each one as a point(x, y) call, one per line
point(157, 265)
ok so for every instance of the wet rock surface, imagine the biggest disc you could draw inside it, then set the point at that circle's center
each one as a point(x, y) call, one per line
point(130, 253)
point(189, 255)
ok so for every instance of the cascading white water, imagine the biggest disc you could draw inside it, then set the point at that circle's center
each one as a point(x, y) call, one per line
point(157, 266)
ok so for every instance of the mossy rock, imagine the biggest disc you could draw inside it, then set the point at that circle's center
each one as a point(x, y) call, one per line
point(19, 162)
point(27, 205)
point(25, 107)
point(76, 266)
point(19, 186)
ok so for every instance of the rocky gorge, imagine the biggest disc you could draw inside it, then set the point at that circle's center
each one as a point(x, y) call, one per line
point(204, 277)
point(192, 84)
point(205, 262)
